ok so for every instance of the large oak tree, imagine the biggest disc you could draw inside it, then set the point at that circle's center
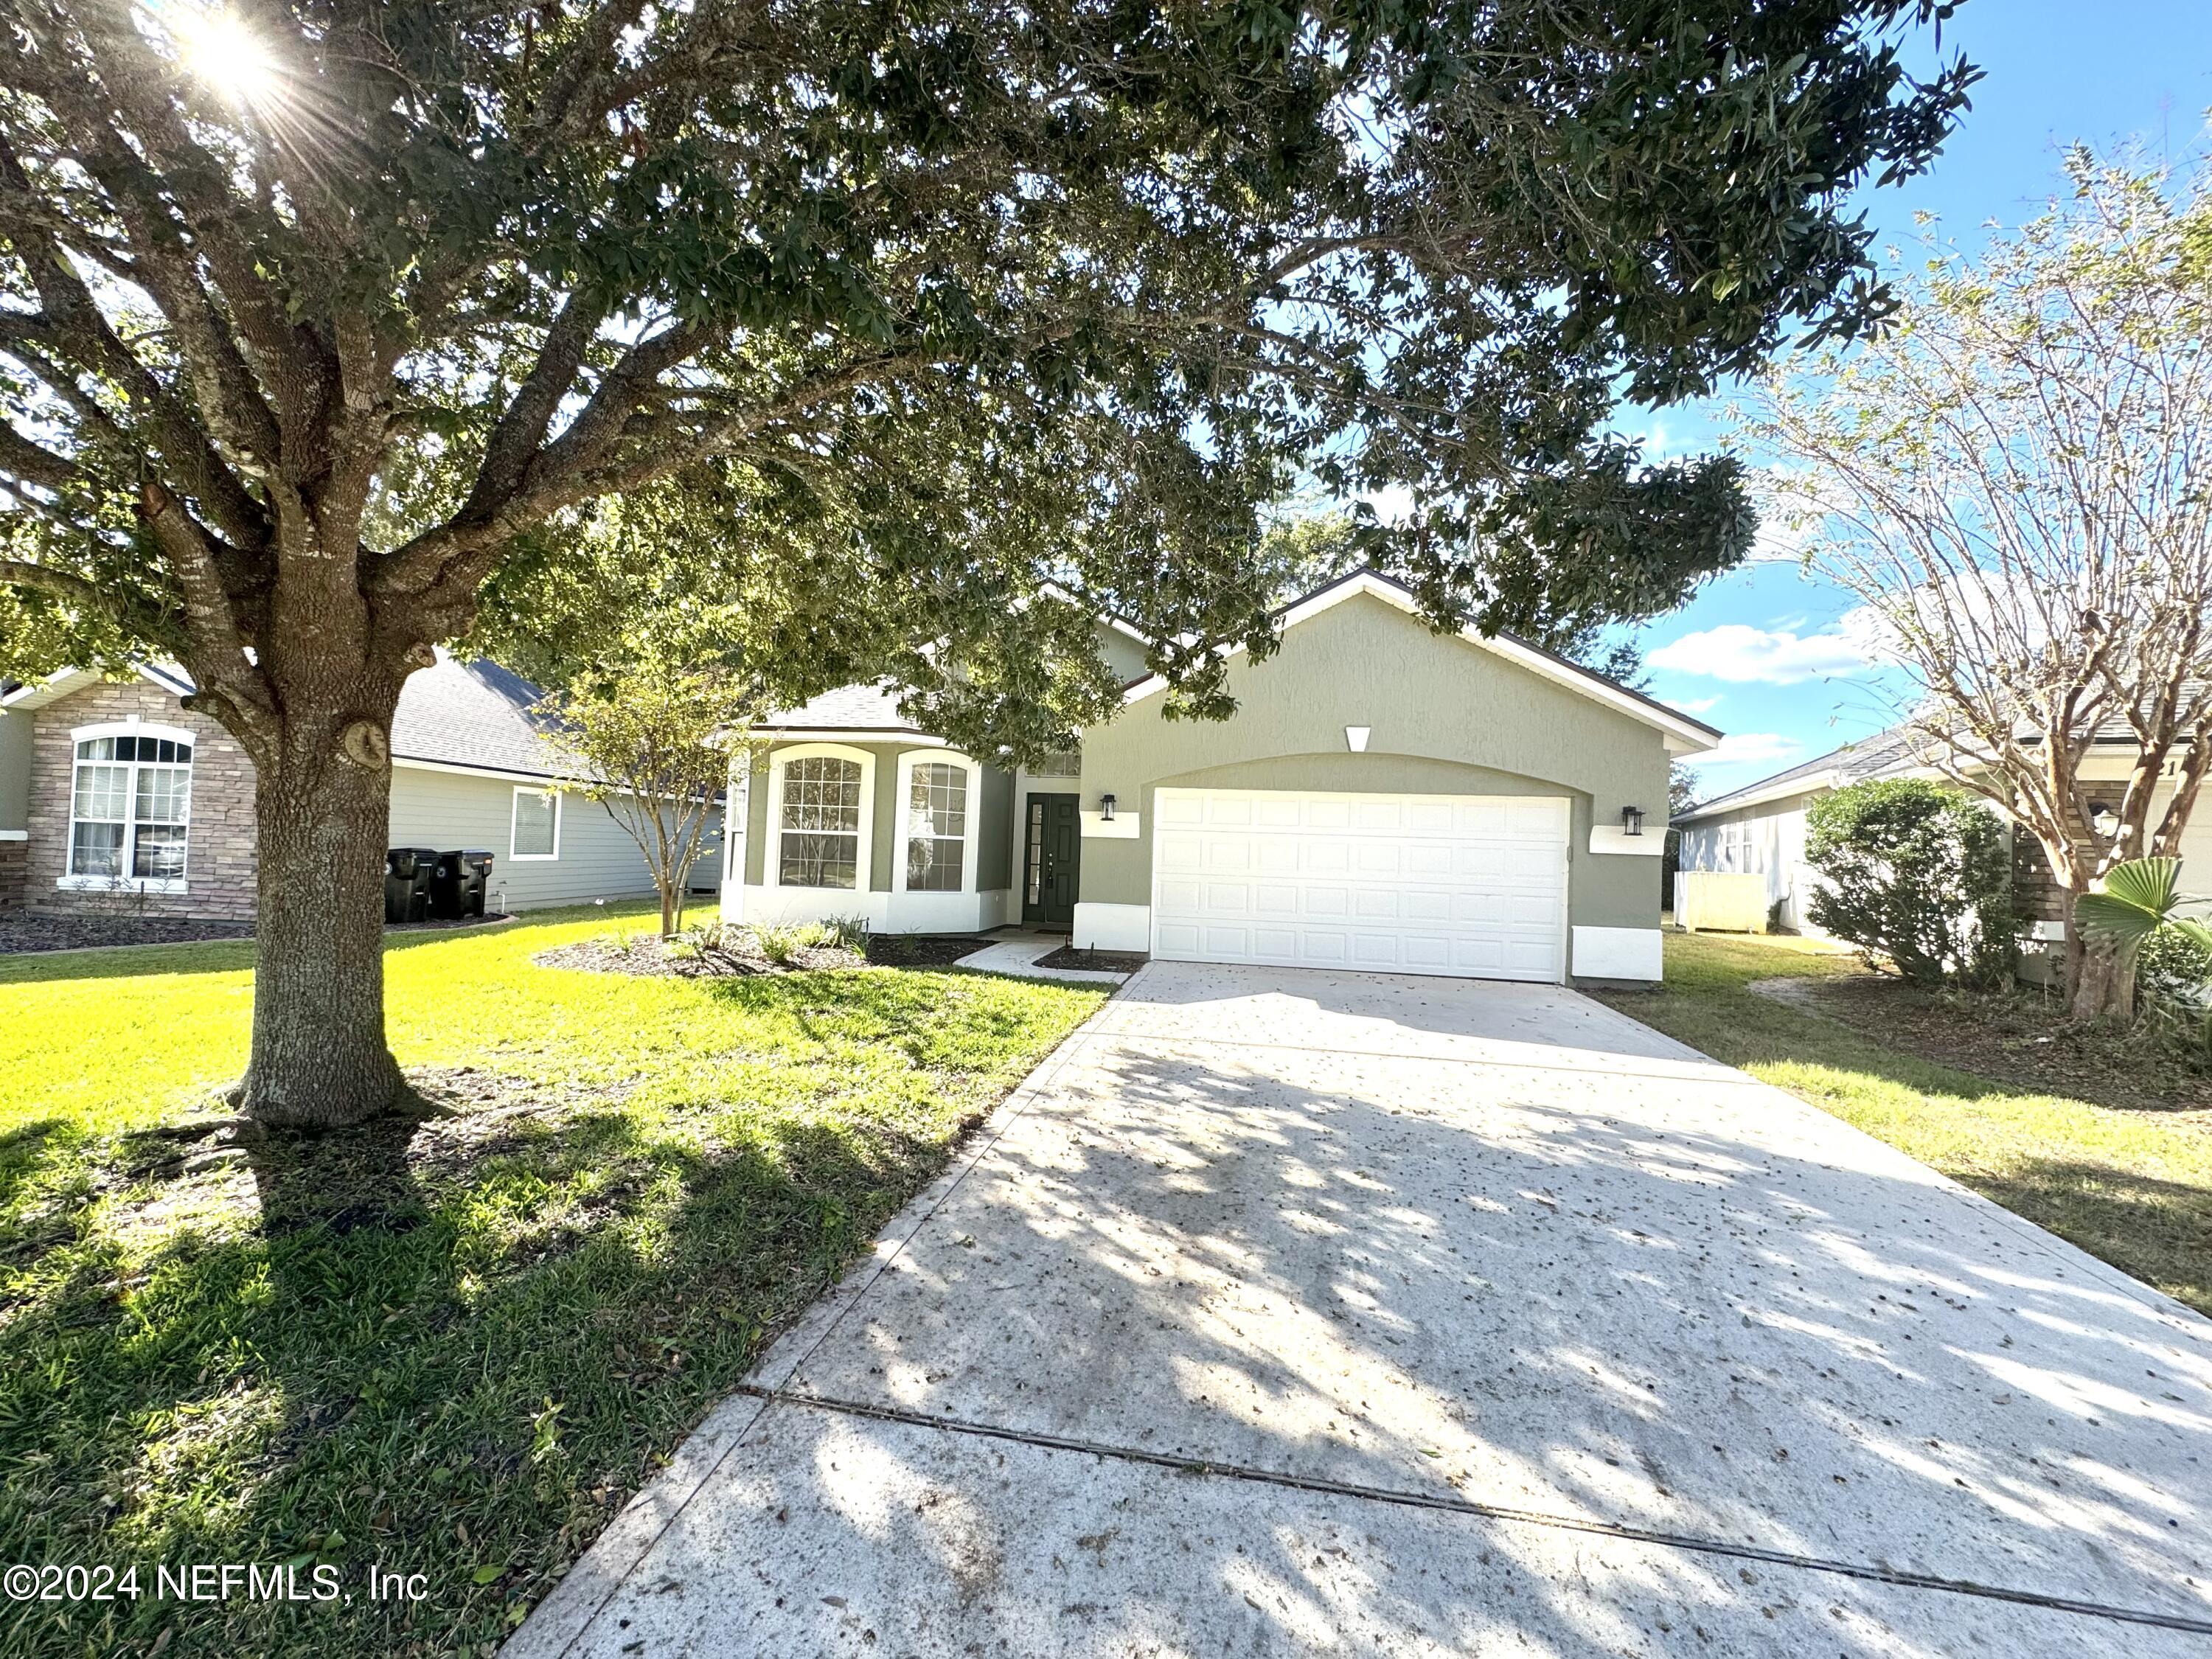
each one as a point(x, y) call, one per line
point(312, 315)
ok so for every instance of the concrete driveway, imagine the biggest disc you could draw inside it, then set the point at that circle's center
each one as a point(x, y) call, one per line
point(1287, 1312)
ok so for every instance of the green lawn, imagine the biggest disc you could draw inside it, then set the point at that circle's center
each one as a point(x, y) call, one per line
point(2133, 1187)
point(454, 1343)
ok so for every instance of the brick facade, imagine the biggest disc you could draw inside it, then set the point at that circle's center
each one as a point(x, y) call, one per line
point(220, 851)
point(15, 856)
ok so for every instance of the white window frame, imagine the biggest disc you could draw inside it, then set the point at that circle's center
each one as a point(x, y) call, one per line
point(772, 853)
point(907, 762)
point(515, 820)
point(126, 883)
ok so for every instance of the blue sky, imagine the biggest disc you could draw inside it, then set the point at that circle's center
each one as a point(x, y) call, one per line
point(1756, 652)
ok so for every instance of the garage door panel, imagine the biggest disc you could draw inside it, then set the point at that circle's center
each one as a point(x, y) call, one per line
point(1447, 884)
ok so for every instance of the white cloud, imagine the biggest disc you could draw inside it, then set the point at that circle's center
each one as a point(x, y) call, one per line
point(1752, 749)
point(1693, 705)
point(1744, 655)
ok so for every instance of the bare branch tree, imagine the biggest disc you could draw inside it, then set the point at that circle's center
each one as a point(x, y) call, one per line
point(2017, 482)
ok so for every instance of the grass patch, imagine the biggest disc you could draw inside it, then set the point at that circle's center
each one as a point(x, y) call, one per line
point(452, 1342)
point(2131, 1185)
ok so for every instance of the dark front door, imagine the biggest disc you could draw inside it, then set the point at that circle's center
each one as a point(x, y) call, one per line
point(1052, 847)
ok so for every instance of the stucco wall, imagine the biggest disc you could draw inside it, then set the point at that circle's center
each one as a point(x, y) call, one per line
point(994, 837)
point(15, 770)
point(1124, 655)
point(1445, 717)
point(15, 806)
point(219, 844)
point(596, 859)
point(993, 833)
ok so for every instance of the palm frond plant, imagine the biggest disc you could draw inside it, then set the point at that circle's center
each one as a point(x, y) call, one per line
point(2140, 908)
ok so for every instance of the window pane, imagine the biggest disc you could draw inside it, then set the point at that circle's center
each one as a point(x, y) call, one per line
point(821, 791)
point(96, 748)
point(534, 823)
point(102, 791)
point(934, 866)
point(96, 850)
point(937, 804)
point(812, 858)
point(164, 794)
point(160, 853)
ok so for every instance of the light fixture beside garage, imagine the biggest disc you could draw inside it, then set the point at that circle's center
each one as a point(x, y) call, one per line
point(1106, 809)
point(1355, 738)
point(1632, 820)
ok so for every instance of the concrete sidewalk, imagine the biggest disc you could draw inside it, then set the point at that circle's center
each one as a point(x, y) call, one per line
point(1288, 1312)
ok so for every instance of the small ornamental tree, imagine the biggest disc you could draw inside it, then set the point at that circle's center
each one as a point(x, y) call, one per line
point(1919, 873)
point(660, 740)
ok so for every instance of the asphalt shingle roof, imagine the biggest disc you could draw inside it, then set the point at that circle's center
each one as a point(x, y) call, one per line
point(1867, 757)
point(478, 713)
point(868, 708)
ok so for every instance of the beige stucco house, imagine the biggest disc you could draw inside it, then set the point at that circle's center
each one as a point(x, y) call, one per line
point(1385, 796)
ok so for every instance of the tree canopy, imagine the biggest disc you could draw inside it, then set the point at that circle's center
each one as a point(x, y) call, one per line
point(412, 280)
point(315, 316)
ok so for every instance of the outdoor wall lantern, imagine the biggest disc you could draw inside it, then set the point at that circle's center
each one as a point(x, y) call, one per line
point(1106, 808)
point(1632, 820)
point(2103, 819)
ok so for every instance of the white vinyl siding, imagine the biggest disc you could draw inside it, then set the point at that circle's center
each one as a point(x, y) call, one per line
point(1466, 885)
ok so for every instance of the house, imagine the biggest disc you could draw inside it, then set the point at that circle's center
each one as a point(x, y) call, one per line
point(112, 788)
point(1759, 829)
point(1385, 796)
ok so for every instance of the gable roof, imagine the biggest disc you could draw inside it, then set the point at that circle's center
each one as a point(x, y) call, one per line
point(1888, 753)
point(1851, 763)
point(1684, 735)
point(473, 717)
point(868, 709)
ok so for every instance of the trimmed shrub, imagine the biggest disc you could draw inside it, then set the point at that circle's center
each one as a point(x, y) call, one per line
point(2171, 964)
point(1919, 873)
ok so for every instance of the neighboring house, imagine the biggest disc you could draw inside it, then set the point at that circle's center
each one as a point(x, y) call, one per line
point(1384, 797)
point(1759, 829)
point(112, 789)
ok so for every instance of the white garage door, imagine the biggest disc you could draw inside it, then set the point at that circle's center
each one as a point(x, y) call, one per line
point(1472, 886)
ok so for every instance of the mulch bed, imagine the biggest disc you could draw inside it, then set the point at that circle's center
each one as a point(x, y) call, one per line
point(1096, 962)
point(20, 932)
point(2018, 1038)
point(738, 955)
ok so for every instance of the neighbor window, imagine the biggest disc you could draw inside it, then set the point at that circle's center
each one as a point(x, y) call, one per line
point(129, 804)
point(820, 841)
point(936, 827)
point(536, 832)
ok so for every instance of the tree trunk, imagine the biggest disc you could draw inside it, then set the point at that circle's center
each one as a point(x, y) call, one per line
point(671, 908)
point(323, 807)
point(2099, 985)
